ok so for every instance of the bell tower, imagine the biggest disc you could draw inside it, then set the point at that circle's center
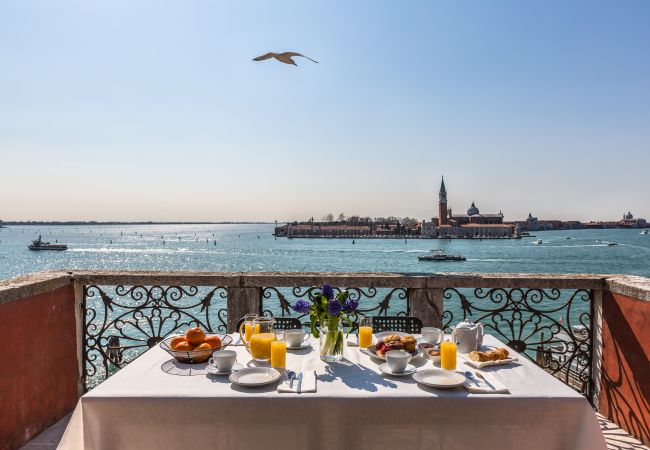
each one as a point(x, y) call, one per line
point(442, 204)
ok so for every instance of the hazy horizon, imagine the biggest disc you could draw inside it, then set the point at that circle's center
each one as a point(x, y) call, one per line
point(127, 111)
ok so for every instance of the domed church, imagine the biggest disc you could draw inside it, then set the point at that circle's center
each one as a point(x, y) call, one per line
point(470, 225)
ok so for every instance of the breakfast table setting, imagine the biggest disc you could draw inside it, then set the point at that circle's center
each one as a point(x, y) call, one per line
point(289, 389)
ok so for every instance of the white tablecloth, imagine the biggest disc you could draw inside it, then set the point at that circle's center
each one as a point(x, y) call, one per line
point(143, 407)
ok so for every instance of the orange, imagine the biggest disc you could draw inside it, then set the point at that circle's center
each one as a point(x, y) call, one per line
point(202, 358)
point(184, 347)
point(213, 340)
point(195, 336)
point(176, 340)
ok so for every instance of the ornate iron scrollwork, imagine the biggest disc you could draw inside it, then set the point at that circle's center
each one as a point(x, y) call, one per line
point(120, 327)
point(551, 327)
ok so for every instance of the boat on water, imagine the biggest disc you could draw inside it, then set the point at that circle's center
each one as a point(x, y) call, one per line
point(539, 242)
point(644, 231)
point(440, 255)
point(611, 244)
point(38, 244)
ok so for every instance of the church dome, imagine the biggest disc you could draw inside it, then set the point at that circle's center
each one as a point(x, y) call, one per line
point(629, 216)
point(473, 210)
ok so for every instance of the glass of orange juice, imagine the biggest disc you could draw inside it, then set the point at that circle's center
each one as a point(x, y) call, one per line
point(365, 332)
point(261, 339)
point(448, 354)
point(278, 354)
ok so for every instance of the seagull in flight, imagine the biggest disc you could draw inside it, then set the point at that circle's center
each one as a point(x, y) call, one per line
point(282, 57)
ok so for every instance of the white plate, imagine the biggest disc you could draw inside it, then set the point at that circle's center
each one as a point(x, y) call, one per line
point(385, 369)
point(255, 376)
point(212, 369)
point(439, 378)
point(383, 334)
point(300, 347)
point(370, 351)
point(480, 365)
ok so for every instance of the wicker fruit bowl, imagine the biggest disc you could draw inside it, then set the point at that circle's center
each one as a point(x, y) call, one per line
point(194, 356)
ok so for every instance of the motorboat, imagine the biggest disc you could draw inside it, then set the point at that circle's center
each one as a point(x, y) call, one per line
point(38, 245)
point(644, 231)
point(440, 255)
point(539, 242)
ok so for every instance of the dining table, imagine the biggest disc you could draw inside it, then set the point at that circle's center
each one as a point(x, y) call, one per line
point(157, 403)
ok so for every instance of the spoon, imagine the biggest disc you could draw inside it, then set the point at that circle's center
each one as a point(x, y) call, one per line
point(470, 376)
point(291, 374)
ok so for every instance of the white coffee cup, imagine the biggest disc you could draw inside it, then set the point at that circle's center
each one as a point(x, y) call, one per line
point(224, 360)
point(295, 338)
point(431, 335)
point(397, 360)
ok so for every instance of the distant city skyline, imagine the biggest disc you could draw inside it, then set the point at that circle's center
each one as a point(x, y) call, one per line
point(142, 111)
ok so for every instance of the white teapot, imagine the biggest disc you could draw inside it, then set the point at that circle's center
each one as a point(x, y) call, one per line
point(468, 336)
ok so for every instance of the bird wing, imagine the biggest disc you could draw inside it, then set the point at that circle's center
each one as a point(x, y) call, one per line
point(263, 57)
point(290, 54)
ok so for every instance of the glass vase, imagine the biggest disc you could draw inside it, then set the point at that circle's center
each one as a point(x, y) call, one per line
point(332, 341)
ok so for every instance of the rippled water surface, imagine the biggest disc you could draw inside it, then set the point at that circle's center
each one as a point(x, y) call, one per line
point(253, 248)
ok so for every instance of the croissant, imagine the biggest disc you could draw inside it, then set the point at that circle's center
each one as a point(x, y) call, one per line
point(493, 355)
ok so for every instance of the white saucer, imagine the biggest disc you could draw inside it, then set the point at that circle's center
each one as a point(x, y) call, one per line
point(255, 376)
point(304, 345)
point(212, 370)
point(385, 369)
point(439, 378)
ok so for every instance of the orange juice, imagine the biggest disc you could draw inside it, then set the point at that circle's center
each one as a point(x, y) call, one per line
point(448, 355)
point(365, 337)
point(249, 331)
point(260, 345)
point(278, 354)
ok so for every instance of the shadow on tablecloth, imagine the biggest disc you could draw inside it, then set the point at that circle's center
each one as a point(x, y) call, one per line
point(173, 367)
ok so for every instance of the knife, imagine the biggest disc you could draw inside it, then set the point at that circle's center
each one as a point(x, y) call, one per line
point(480, 375)
point(299, 388)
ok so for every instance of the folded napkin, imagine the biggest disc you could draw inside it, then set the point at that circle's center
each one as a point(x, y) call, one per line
point(308, 383)
point(479, 386)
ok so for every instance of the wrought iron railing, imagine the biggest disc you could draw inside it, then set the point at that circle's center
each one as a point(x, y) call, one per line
point(121, 322)
point(551, 326)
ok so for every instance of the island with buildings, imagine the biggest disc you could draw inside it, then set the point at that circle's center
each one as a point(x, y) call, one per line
point(446, 225)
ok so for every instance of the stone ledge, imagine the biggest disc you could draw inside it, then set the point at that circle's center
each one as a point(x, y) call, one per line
point(33, 284)
point(40, 282)
point(630, 286)
point(360, 279)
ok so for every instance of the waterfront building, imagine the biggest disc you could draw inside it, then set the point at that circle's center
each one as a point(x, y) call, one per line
point(472, 224)
point(629, 221)
point(318, 230)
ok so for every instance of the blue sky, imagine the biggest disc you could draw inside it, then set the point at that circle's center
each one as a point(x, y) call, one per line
point(137, 110)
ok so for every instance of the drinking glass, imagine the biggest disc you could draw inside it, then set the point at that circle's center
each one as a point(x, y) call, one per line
point(260, 342)
point(246, 328)
point(365, 332)
point(278, 354)
point(448, 353)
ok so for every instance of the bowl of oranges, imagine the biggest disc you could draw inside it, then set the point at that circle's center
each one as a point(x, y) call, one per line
point(195, 346)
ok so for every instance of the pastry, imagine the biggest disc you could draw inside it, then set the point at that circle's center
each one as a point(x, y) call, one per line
point(497, 354)
point(392, 342)
point(409, 343)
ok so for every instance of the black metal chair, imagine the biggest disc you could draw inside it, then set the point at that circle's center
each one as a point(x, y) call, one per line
point(405, 324)
point(281, 323)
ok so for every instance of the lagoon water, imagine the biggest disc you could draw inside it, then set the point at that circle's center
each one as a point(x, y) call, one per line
point(251, 247)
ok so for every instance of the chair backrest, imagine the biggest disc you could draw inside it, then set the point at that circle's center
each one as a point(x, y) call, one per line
point(406, 324)
point(281, 323)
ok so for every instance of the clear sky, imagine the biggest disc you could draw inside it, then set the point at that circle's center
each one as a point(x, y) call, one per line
point(153, 110)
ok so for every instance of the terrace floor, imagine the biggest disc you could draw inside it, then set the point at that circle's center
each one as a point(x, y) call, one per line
point(617, 438)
